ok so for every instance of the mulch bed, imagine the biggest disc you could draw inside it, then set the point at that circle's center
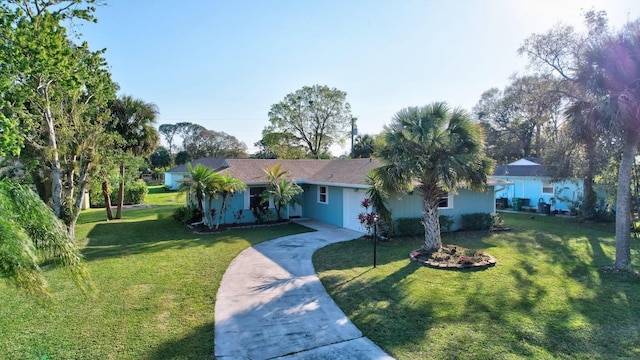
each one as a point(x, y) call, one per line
point(452, 257)
point(202, 229)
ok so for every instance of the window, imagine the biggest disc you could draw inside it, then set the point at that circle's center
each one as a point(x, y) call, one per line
point(446, 201)
point(323, 195)
point(255, 198)
point(547, 187)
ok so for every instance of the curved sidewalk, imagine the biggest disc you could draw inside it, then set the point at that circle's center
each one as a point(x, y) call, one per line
point(271, 304)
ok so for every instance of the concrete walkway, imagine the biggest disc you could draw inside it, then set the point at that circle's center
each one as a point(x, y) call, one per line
point(271, 304)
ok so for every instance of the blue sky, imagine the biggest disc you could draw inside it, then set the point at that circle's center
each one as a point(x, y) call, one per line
point(222, 64)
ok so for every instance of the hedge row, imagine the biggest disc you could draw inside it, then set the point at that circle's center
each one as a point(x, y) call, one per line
point(414, 226)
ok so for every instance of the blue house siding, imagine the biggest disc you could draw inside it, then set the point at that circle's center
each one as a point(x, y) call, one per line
point(330, 213)
point(530, 187)
point(465, 202)
point(239, 202)
point(171, 178)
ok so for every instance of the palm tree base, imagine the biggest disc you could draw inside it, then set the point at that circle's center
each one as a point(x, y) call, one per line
point(452, 257)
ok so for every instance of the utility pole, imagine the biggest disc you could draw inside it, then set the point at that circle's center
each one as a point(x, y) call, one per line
point(354, 132)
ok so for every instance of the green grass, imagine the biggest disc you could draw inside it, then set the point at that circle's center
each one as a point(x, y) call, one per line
point(156, 285)
point(546, 298)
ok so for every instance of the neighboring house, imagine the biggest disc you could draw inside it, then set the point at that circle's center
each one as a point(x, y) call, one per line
point(531, 181)
point(174, 176)
point(333, 191)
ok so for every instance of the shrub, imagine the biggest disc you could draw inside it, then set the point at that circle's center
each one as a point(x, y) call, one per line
point(415, 226)
point(445, 223)
point(186, 214)
point(477, 221)
point(134, 193)
point(408, 227)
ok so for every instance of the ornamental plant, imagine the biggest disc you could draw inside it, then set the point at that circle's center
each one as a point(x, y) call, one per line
point(368, 219)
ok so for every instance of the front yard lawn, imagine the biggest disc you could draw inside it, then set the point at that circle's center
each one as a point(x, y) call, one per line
point(547, 297)
point(156, 286)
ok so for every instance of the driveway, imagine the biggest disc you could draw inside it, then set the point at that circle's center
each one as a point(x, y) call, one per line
point(271, 304)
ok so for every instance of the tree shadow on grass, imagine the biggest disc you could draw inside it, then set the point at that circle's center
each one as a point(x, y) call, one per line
point(379, 302)
point(545, 296)
point(602, 319)
point(196, 345)
point(118, 239)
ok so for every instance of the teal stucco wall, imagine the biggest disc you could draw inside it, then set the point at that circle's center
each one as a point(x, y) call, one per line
point(330, 213)
point(238, 212)
point(464, 202)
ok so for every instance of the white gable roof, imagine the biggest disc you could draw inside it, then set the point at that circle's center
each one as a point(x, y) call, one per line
point(523, 162)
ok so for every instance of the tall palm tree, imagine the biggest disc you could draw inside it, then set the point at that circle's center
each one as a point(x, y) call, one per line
point(227, 186)
point(212, 189)
point(611, 72)
point(436, 150)
point(581, 116)
point(133, 120)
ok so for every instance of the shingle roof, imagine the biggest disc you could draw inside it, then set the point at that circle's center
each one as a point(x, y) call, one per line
point(310, 171)
point(352, 171)
point(342, 172)
point(252, 170)
point(213, 163)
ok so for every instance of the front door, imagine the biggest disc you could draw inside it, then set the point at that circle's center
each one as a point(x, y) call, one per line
point(295, 210)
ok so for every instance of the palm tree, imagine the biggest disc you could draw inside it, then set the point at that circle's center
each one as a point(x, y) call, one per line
point(133, 121)
point(436, 150)
point(581, 117)
point(364, 146)
point(275, 173)
point(199, 184)
point(378, 195)
point(283, 193)
point(610, 72)
point(227, 186)
point(212, 189)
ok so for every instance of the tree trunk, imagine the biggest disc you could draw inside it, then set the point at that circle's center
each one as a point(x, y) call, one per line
point(107, 199)
point(432, 240)
point(120, 193)
point(590, 197)
point(623, 205)
point(56, 170)
point(222, 209)
point(207, 218)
